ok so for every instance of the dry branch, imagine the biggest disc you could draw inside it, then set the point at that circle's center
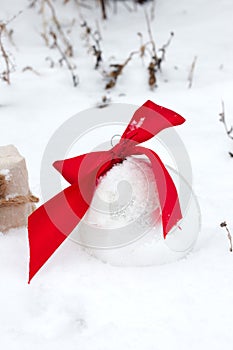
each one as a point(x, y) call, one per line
point(93, 39)
point(58, 26)
point(103, 9)
point(30, 69)
point(116, 70)
point(65, 59)
point(5, 74)
point(224, 224)
point(191, 72)
point(156, 60)
point(229, 131)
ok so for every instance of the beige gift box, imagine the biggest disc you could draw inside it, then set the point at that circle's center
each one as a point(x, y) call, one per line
point(16, 200)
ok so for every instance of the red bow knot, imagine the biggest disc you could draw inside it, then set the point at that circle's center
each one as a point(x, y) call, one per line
point(53, 222)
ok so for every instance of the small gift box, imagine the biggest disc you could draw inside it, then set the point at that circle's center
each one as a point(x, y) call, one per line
point(16, 200)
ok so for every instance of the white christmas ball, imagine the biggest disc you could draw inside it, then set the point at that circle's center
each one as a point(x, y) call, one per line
point(123, 225)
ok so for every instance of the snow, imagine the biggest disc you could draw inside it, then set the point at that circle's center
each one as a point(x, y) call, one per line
point(6, 174)
point(76, 301)
point(130, 190)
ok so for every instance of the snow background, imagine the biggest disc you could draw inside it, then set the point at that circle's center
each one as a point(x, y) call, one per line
point(75, 300)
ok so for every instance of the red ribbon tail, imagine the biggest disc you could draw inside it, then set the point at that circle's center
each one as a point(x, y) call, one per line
point(168, 196)
point(44, 239)
point(52, 223)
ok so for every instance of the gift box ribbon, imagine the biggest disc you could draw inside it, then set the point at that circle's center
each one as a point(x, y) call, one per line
point(53, 222)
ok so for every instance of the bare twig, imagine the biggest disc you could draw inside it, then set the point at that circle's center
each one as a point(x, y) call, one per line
point(164, 48)
point(65, 40)
point(152, 42)
point(65, 59)
point(15, 16)
point(93, 41)
point(117, 70)
point(8, 65)
point(224, 224)
point(9, 33)
point(191, 72)
point(154, 64)
point(156, 60)
point(153, 10)
point(5, 75)
point(31, 69)
point(103, 9)
point(142, 45)
point(229, 131)
point(44, 34)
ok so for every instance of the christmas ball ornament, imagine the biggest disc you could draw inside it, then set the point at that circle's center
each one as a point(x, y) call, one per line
point(123, 225)
point(123, 204)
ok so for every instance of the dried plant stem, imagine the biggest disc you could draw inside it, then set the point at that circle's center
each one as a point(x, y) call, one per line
point(156, 61)
point(191, 72)
point(6, 72)
point(31, 69)
point(223, 120)
point(103, 9)
point(44, 23)
point(5, 75)
point(153, 10)
point(95, 44)
point(69, 48)
point(151, 36)
point(117, 70)
point(224, 224)
point(164, 48)
point(65, 59)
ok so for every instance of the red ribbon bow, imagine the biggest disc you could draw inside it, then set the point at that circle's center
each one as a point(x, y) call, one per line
point(52, 223)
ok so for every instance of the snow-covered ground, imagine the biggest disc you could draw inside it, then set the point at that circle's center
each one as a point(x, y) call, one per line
point(76, 301)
